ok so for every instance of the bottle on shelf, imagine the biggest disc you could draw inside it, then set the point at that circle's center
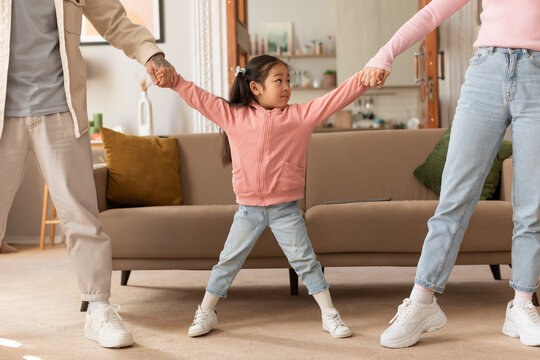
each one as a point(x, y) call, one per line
point(329, 45)
point(319, 48)
point(305, 80)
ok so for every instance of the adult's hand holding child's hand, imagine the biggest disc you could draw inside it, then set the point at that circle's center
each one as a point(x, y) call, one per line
point(158, 65)
point(373, 77)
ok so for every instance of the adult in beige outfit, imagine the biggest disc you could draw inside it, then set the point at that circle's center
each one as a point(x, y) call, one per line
point(43, 97)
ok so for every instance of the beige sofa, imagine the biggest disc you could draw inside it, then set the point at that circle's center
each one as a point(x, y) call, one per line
point(341, 167)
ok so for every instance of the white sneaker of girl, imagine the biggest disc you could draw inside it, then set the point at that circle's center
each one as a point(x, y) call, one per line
point(522, 322)
point(411, 321)
point(332, 323)
point(204, 321)
point(106, 327)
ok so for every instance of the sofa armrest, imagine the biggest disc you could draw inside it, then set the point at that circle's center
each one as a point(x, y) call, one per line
point(506, 180)
point(100, 178)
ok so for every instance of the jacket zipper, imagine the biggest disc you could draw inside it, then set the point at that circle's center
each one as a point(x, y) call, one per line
point(261, 159)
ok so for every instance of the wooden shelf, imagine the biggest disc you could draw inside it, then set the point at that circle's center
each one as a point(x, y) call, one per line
point(310, 56)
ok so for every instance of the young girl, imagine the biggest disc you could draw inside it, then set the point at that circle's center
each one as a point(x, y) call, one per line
point(502, 87)
point(268, 146)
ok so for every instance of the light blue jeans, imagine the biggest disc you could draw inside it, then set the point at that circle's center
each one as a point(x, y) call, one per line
point(286, 222)
point(502, 87)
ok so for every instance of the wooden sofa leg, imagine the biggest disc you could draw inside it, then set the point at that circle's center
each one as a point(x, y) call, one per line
point(84, 306)
point(293, 280)
point(125, 277)
point(496, 271)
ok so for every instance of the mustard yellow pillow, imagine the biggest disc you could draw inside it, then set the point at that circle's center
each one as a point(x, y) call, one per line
point(143, 171)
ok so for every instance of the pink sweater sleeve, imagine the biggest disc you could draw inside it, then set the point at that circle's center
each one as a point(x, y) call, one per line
point(421, 24)
point(209, 105)
point(319, 109)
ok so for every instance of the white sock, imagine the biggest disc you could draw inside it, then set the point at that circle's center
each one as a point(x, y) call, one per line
point(209, 301)
point(522, 298)
point(93, 304)
point(422, 295)
point(324, 300)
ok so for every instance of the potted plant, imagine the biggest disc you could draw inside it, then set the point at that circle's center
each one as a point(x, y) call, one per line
point(329, 79)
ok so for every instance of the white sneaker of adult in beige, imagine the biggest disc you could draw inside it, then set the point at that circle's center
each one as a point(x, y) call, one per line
point(332, 323)
point(203, 322)
point(411, 321)
point(106, 327)
point(522, 322)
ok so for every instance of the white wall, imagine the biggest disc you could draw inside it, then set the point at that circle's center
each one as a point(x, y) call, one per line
point(113, 90)
point(113, 87)
point(456, 37)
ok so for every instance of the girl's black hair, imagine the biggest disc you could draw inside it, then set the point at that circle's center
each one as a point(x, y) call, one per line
point(257, 70)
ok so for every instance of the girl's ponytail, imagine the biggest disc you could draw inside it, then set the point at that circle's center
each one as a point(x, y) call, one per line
point(240, 95)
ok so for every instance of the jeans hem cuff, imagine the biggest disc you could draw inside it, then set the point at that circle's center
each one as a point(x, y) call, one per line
point(96, 297)
point(429, 285)
point(221, 295)
point(523, 288)
point(318, 289)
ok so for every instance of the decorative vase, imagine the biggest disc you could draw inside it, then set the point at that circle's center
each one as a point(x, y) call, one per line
point(145, 115)
point(329, 80)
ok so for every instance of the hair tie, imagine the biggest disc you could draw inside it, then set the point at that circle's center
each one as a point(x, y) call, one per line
point(239, 70)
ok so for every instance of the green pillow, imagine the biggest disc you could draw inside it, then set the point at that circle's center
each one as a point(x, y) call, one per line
point(430, 172)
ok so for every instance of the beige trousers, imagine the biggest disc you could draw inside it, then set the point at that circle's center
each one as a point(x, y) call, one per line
point(66, 165)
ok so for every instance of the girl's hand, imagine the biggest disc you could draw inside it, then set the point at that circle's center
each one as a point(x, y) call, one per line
point(372, 76)
point(161, 71)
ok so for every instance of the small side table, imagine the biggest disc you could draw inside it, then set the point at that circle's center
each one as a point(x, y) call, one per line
point(44, 221)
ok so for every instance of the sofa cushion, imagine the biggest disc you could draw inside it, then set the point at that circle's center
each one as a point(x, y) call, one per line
point(430, 172)
point(142, 171)
point(401, 226)
point(363, 165)
point(176, 232)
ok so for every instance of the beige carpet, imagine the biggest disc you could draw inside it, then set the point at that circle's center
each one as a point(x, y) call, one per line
point(39, 309)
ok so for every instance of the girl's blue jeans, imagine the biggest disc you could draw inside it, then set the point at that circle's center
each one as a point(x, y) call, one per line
point(286, 222)
point(502, 88)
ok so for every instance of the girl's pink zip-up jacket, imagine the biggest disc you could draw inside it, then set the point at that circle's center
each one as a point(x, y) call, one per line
point(269, 147)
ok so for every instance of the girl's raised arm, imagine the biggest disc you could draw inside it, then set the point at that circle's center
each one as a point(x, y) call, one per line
point(211, 106)
point(321, 108)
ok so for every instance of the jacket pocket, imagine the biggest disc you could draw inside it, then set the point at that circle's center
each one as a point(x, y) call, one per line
point(73, 11)
point(240, 183)
point(479, 57)
point(292, 177)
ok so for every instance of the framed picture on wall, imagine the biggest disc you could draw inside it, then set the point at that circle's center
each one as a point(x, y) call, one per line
point(143, 12)
point(278, 38)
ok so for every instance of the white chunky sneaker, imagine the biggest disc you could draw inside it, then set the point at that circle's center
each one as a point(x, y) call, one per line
point(106, 327)
point(411, 320)
point(522, 322)
point(203, 322)
point(332, 323)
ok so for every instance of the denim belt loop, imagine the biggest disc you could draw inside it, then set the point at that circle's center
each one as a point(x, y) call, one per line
point(526, 52)
point(490, 50)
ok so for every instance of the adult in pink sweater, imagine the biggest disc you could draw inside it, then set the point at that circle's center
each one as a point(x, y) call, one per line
point(502, 87)
point(266, 140)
